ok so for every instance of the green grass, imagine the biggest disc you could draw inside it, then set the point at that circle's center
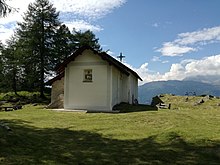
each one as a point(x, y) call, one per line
point(24, 97)
point(7, 95)
point(182, 135)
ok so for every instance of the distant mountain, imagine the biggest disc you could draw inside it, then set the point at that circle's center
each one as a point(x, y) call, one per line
point(209, 79)
point(151, 89)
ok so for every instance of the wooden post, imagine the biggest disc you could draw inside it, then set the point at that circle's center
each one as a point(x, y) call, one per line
point(169, 106)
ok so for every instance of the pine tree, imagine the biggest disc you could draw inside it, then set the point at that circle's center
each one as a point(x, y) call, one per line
point(86, 38)
point(1, 66)
point(12, 66)
point(1, 49)
point(63, 44)
point(67, 42)
point(37, 39)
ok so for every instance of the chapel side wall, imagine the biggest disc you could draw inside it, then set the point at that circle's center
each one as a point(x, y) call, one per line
point(93, 95)
point(119, 87)
point(133, 88)
point(57, 89)
point(125, 91)
point(115, 87)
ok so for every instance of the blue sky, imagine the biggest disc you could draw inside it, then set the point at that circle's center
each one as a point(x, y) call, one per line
point(161, 39)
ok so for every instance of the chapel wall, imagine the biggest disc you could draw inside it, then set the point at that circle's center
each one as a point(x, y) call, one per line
point(119, 87)
point(133, 89)
point(92, 95)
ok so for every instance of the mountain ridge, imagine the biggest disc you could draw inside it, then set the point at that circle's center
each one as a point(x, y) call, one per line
point(177, 87)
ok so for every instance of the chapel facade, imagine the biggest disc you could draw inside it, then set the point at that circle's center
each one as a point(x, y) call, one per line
point(95, 81)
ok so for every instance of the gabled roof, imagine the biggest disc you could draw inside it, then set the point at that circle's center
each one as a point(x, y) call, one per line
point(124, 69)
point(58, 77)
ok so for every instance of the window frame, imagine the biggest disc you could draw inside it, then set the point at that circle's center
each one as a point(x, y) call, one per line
point(87, 75)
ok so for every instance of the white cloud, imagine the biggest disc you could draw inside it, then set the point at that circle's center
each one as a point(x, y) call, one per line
point(155, 25)
point(8, 24)
point(203, 36)
point(83, 25)
point(188, 42)
point(164, 62)
point(16, 15)
point(208, 66)
point(5, 32)
point(90, 9)
point(80, 14)
point(144, 73)
point(172, 49)
point(157, 59)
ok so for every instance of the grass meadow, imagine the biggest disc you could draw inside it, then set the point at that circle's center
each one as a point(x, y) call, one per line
point(186, 134)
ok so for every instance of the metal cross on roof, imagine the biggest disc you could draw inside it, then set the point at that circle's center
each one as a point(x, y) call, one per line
point(120, 57)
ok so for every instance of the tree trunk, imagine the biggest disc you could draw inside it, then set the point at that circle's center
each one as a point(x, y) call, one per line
point(14, 82)
point(42, 78)
point(42, 56)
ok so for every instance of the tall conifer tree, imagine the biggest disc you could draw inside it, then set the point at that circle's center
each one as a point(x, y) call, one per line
point(86, 38)
point(1, 66)
point(37, 38)
point(64, 44)
point(12, 65)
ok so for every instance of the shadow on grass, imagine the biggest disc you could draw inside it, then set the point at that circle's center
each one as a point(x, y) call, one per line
point(30, 145)
point(126, 108)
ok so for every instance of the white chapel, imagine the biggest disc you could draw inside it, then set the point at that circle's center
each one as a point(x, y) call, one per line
point(95, 81)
